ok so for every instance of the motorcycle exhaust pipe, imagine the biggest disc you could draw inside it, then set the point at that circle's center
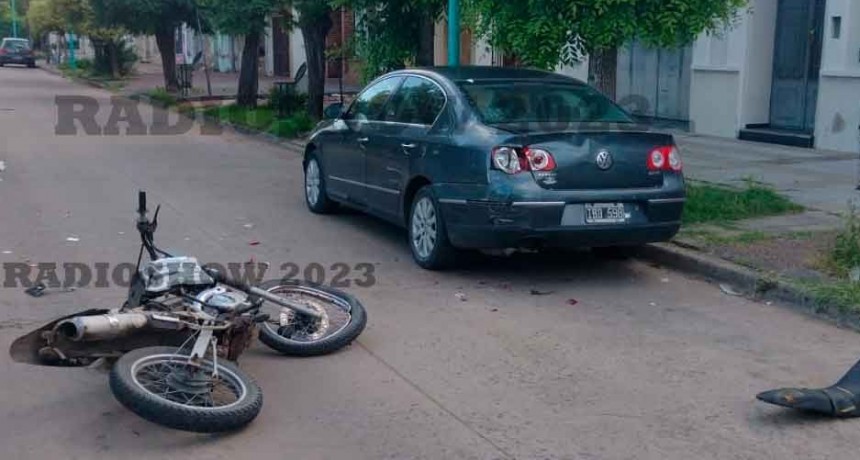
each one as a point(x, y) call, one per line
point(101, 327)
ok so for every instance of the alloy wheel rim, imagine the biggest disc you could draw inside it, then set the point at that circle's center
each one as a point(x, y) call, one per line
point(312, 183)
point(424, 228)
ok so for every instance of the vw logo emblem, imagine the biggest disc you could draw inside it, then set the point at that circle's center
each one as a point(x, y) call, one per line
point(604, 160)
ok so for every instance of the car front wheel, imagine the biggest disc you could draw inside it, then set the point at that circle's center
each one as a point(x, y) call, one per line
point(428, 238)
point(315, 192)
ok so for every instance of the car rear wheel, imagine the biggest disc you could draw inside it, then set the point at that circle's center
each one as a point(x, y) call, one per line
point(316, 196)
point(428, 238)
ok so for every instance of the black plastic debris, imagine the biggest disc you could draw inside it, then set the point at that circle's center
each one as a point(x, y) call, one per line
point(37, 290)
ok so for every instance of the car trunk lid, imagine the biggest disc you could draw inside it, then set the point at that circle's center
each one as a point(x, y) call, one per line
point(606, 159)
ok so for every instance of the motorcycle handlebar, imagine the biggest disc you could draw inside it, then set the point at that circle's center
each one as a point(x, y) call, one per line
point(141, 202)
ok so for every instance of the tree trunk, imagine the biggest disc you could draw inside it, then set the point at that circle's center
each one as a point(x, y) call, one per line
point(314, 34)
point(166, 42)
point(426, 35)
point(113, 50)
point(603, 67)
point(249, 73)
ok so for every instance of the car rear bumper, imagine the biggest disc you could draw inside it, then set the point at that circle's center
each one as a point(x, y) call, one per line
point(480, 224)
point(22, 60)
point(496, 225)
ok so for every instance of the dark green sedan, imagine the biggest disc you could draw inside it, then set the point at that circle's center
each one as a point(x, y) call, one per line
point(16, 51)
point(489, 158)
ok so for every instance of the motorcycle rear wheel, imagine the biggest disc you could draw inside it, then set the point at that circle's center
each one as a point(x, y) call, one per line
point(162, 386)
point(344, 319)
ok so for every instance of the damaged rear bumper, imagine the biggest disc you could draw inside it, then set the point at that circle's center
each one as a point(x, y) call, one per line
point(483, 224)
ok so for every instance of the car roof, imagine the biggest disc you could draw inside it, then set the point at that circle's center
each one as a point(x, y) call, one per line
point(485, 73)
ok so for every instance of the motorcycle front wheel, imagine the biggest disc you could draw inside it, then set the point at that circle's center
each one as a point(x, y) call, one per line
point(162, 385)
point(288, 332)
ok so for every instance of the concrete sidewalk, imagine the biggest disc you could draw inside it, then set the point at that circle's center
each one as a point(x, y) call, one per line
point(817, 179)
point(148, 76)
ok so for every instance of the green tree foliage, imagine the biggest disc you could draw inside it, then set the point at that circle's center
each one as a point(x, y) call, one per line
point(21, 7)
point(43, 17)
point(536, 31)
point(394, 33)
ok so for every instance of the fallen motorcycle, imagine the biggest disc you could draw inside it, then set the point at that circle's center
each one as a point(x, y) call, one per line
point(177, 337)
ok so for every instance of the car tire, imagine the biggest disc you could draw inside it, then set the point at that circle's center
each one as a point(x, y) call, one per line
point(316, 196)
point(31, 65)
point(428, 236)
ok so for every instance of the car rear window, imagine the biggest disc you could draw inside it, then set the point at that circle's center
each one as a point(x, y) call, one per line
point(509, 102)
point(15, 44)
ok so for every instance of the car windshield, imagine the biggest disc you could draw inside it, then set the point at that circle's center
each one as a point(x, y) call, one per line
point(512, 102)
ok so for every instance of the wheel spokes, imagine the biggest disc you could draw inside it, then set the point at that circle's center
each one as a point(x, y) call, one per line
point(187, 384)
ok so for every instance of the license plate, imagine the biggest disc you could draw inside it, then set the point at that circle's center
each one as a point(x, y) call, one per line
point(609, 213)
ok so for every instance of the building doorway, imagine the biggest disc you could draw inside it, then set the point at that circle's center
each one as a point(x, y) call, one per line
point(796, 64)
point(280, 47)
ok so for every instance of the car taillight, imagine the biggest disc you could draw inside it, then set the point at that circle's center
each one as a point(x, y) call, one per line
point(515, 160)
point(540, 160)
point(665, 158)
point(2, 51)
point(508, 160)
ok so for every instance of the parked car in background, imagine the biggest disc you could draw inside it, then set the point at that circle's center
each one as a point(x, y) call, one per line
point(486, 158)
point(17, 51)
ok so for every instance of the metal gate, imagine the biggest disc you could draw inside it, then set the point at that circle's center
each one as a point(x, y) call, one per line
point(654, 82)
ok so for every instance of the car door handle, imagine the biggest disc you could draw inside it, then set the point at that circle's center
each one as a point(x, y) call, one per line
point(363, 140)
point(408, 146)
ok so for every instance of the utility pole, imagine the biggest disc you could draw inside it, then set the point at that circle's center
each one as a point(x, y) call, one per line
point(14, 20)
point(73, 62)
point(454, 33)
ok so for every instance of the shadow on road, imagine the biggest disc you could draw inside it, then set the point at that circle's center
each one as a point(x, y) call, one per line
point(549, 265)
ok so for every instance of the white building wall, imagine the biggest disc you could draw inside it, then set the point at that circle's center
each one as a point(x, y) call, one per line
point(838, 113)
point(717, 83)
point(482, 53)
point(269, 46)
point(297, 49)
point(578, 71)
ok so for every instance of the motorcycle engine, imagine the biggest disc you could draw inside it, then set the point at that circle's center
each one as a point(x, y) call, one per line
point(219, 300)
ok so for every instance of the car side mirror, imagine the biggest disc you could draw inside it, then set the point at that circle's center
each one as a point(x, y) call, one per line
point(333, 111)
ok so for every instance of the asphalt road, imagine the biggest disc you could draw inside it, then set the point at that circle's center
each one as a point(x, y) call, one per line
point(647, 364)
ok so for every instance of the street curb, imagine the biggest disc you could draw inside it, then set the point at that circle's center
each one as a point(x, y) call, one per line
point(80, 80)
point(748, 282)
point(293, 145)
